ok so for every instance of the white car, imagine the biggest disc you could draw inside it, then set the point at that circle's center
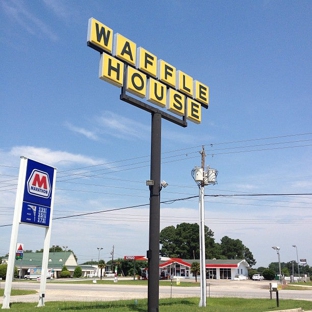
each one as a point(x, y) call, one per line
point(240, 277)
point(257, 277)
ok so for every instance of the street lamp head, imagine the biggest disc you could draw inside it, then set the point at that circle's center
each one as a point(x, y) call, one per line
point(294, 246)
point(276, 248)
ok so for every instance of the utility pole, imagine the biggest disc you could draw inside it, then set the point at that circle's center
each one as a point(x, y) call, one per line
point(202, 243)
point(203, 156)
point(203, 178)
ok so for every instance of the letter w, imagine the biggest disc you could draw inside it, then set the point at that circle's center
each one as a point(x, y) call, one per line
point(102, 34)
point(40, 181)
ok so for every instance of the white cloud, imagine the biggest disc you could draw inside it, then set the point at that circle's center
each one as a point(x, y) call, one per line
point(51, 157)
point(87, 133)
point(58, 8)
point(122, 127)
point(18, 11)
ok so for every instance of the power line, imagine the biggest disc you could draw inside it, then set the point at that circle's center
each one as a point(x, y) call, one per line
point(112, 169)
point(173, 201)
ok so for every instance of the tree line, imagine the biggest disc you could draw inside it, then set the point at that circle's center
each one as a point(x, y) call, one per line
point(182, 241)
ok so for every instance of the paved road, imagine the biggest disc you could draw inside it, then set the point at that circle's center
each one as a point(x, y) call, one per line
point(106, 292)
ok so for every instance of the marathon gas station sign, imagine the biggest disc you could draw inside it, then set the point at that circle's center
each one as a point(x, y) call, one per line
point(33, 206)
point(141, 73)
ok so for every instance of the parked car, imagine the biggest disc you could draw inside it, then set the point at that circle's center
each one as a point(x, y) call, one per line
point(240, 277)
point(257, 277)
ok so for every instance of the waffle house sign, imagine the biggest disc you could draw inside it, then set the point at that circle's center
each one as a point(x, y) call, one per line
point(141, 73)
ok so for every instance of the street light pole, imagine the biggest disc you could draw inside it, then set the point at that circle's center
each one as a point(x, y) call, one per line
point(279, 261)
point(295, 246)
point(99, 249)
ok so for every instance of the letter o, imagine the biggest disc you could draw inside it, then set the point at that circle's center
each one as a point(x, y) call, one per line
point(137, 87)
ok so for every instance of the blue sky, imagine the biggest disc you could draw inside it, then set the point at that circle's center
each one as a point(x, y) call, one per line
point(255, 56)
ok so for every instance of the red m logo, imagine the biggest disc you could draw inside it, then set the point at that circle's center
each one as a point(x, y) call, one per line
point(39, 184)
point(40, 180)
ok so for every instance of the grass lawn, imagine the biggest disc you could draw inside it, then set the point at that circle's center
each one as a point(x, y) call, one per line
point(170, 305)
point(18, 292)
point(298, 286)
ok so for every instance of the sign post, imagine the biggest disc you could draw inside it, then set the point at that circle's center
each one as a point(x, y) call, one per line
point(139, 72)
point(34, 206)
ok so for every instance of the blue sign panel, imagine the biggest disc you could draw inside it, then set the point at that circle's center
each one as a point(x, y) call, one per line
point(36, 208)
point(35, 214)
point(39, 181)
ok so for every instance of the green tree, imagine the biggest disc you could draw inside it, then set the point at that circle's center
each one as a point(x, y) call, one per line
point(261, 269)
point(78, 272)
point(183, 241)
point(195, 268)
point(167, 238)
point(131, 267)
point(235, 249)
point(285, 271)
point(275, 266)
point(268, 274)
point(101, 266)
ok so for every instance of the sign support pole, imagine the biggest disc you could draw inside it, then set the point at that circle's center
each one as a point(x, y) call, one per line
point(155, 188)
point(14, 234)
point(154, 222)
point(46, 248)
point(45, 261)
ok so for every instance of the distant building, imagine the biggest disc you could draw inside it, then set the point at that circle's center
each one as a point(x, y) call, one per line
point(215, 269)
point(57, 260)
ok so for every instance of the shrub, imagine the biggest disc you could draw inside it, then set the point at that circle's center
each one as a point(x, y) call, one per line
point(65, 274)
point(268, 274)
point(78, 272)
point(3, 270)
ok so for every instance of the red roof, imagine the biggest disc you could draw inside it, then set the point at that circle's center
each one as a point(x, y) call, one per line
point(174, 260)
point(211, 263)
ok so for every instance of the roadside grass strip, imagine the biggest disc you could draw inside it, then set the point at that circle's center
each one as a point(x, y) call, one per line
point(170, 305)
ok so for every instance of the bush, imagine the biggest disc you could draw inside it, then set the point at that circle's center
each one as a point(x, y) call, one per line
point(78, 272)
point(268, 274)
point(65, 274)
point(3, 270)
